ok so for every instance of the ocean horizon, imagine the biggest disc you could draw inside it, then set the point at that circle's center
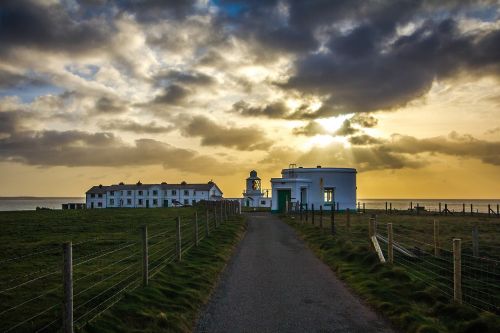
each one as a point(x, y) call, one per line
point(18, 203)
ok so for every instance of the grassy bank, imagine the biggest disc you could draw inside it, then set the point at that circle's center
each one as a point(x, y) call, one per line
point(107, 254)
point(174, 297)
point(411, 303)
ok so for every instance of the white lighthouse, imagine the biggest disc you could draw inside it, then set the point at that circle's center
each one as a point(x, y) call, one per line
point(253, 195)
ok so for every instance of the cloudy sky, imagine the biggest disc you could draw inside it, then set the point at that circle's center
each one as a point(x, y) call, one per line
point(103, 91)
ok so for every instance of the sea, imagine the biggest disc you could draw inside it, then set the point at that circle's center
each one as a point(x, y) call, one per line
point(454, 205)
point(31, 203)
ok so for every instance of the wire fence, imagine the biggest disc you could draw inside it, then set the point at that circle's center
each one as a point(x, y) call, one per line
point(466, 272)
point(100, 272)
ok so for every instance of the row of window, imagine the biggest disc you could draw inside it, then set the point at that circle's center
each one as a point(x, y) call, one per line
point(140, 202)
point(154, 193)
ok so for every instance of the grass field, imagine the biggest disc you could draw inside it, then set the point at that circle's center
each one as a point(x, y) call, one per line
point(415, 293)
point(106, 259)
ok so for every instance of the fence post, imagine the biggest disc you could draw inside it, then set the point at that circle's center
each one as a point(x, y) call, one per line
point(332, 220)
point(286, 207)
point(312, 214)
point(321, 217)
point(179, 239)
point(68, 287)
point(390, 243)
point(207, 229)
point(338, 206)
point(436, 238)
point(196, 238)
point(307, 213)
point(439, 208)
point(348, 220)
point(386, 207)
point(418, 208)
point(471, 210)
point(145, 268)
point(390, 207)
point(457, 270)
point(215, 216)
point(489, 210)
point(475, 241)
point(300, 209)
point(364, 210)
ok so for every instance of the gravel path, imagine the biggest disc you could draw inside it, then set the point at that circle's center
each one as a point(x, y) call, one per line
point(274, 283)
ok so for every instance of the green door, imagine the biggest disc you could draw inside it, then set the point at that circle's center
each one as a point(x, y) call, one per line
point(283, 197)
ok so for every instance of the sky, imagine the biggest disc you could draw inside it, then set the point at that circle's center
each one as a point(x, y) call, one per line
point(105, 91)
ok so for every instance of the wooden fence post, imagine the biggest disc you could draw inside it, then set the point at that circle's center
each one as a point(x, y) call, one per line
point(436, 238)
point(338, 206)
point(390, 207)
point(471, 210)
point(489, 210)
point(364, 210)
point(68, 287)
point(307, 213)
point(386, 207)
point(348, 220)
point(312, 213)
point(332, 220)
point(457, 270)
point(207, 229)
point(418, 209)
point(145, 258)
point(179, 240)
point(321, 217)
point(439, 208)
point(390, 243)
point(196, 237)
point(215, 216)
point(463, 209)
point(300, 209)
point(475, 241)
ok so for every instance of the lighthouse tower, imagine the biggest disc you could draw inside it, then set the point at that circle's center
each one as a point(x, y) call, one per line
point(253, 196)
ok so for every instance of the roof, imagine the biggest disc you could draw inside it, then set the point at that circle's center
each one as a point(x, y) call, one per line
point(118, 187)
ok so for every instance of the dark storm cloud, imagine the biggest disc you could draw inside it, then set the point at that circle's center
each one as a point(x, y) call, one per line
point(346, 129)
point(78, 148)
point(14, 80)
point(108, 105)
point(150, 10)
point(213, 134)
point(135, 127)
point(25, 23)
point(311, 129)
point(185, 77)
point(364, 120)
point(273, 110)
point(405, 70)
point(364, 139)
point(174, 94)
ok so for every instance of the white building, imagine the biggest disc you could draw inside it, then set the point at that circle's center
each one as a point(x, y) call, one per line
point(151, 195)
point(315, 186)
point(253, 195)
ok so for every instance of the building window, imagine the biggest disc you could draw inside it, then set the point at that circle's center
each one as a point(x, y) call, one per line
point(129, 201)
point(92, 195)
point(155, 193)
point(166, 193)
point(140, 192)
point(263, 202)
point(111, 202)
point(140, 202)
point(155, 202)
point(99, 204)
point(112, 193)
point(186, 201)
point(129, 192)
point(186, 192)
point(194, 192)
point(328, 198)
point(174, 192)
point(99, 195)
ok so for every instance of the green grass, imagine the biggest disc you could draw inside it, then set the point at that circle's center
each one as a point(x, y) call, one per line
point(106, 257)
point(412, 302)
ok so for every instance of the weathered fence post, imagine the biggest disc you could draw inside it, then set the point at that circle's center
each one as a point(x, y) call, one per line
point(196, 237)
point(364, 210)
point(498, 210)
point(300, 209)
point(307, 213)
point(471, 210)
point(321, 217)
point(457, 270)
point(475, 241)
point(348, 220)
point(145, 257)
point(215, 216)
point(68, 287)
point(338, 206)
point(207, 229)
point(445, 209)
point(390, 207)
point(436, 238)
point(332, 221)
point(179, 240)
point(390, 243)
point(463, 209)
point(312, 214)
point(386, 207)
point(418, 208)
point(489, 210)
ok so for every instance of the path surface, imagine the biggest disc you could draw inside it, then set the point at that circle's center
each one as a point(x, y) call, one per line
point(274, 283)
